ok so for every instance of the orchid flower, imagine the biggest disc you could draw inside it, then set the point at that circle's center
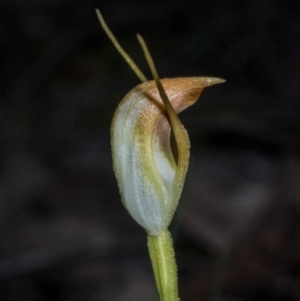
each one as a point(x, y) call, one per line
point(149, 173)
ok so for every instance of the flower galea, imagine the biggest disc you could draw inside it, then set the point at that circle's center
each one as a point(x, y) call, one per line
point(149, 176)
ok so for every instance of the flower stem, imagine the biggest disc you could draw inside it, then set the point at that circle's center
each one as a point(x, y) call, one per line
point(164, 265)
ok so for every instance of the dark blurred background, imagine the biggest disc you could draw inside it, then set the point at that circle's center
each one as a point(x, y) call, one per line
point(64, 234)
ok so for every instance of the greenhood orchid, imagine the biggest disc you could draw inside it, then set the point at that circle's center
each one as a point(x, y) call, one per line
point(150, 175)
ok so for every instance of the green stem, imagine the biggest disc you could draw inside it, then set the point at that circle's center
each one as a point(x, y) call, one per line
point(164, 266)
